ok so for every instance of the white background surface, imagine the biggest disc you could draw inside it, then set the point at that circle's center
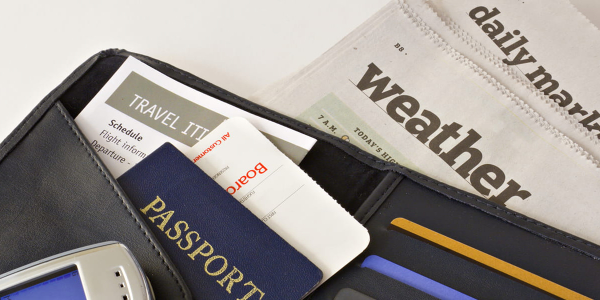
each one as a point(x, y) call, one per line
point(242, 46)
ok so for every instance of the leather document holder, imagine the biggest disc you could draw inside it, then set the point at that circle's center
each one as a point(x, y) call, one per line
point(56, 195)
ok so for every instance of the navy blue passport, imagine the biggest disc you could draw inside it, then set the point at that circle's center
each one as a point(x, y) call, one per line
point(221, 249)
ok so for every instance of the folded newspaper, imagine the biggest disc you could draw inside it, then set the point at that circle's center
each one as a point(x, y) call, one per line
point(545, 44)
point(510, 63)
point(421, 96)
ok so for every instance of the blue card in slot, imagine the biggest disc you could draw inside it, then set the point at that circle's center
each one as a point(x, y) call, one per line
point(412, 279)
point(221, 249)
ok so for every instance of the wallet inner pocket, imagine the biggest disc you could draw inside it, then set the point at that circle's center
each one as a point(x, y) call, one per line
point(56, 196)
point(354, 179)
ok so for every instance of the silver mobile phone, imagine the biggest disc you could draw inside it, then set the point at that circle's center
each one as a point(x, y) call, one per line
point(101, 271)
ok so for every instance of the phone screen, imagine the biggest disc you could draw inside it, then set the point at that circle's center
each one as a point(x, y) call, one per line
point(64, 284)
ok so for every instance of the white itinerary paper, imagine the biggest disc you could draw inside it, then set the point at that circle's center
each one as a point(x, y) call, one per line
point(139, 109)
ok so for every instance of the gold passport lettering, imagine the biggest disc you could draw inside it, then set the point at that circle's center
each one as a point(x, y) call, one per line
point(215, 265)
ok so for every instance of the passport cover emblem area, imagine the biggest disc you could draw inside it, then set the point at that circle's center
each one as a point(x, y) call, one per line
point(221, 249)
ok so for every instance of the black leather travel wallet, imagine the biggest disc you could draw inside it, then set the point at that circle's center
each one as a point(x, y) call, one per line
point(56, 195)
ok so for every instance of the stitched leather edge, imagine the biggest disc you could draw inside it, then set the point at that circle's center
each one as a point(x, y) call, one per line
point(384, 193)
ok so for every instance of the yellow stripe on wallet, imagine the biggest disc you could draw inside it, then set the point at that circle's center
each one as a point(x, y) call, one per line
point(458, 248)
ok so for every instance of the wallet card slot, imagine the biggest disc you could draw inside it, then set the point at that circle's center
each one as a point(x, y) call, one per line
point(481, 231)
point(450, 270)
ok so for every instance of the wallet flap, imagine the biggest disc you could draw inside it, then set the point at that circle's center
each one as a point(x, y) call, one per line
point(56, 195)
